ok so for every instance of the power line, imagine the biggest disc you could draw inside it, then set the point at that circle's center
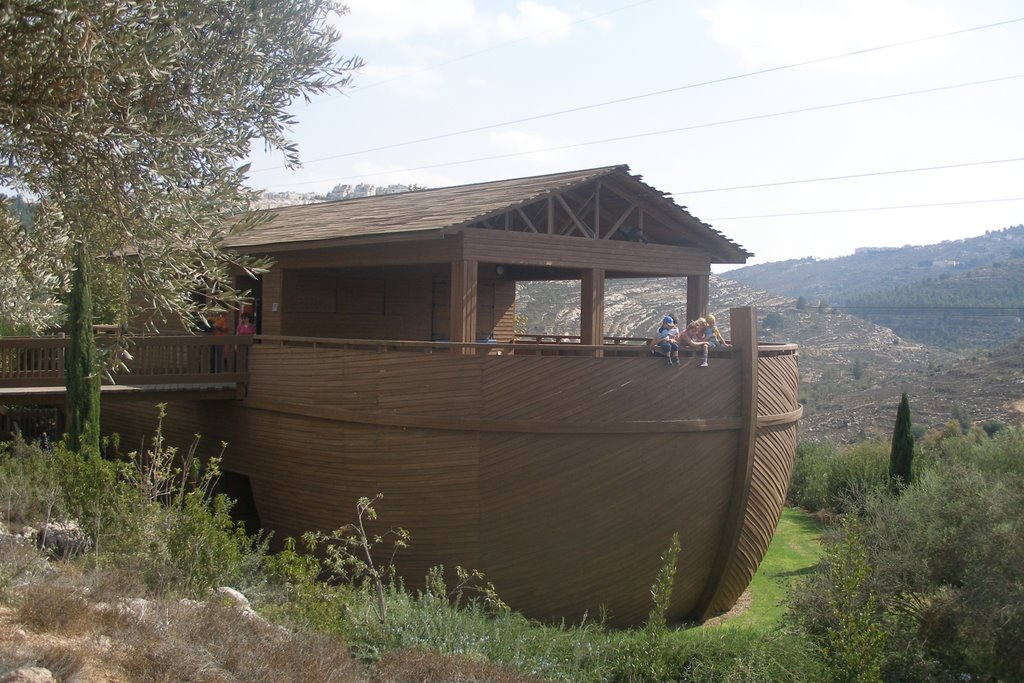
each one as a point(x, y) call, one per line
point(680, 129)
point(868, 174)
point(923, 307)
point(959, 311)
point(871, 208)
point(650, 94)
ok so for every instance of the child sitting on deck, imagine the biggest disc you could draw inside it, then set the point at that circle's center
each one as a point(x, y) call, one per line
point(693, 337)
point(711, 334)
point(666, 341)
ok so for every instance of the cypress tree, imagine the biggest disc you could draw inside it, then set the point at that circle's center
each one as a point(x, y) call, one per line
point(81, 376)
point(902, 452)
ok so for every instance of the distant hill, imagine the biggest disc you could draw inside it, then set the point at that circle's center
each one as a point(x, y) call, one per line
point(836, 280)
point(633, 308)
point(273, 200)
point(979, 308)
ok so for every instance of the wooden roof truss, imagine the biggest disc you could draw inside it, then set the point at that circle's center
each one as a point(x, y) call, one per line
point(593, 211)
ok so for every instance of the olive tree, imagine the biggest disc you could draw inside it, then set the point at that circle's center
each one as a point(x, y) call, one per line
point(127, 121)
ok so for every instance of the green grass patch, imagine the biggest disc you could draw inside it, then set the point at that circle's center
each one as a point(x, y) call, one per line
point(794, 551)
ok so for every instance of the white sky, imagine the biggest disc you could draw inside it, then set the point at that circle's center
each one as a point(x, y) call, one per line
point(447, 66)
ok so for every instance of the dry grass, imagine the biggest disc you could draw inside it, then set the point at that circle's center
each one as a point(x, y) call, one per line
point(213, 642)
point(83, 627)
point(113, 584)
point(19, 561)
point(58, 628)
point(66, 664)
point(418, 666)
point(55, 608)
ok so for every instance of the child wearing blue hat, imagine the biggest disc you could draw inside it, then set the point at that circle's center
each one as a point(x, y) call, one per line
point(666, 341)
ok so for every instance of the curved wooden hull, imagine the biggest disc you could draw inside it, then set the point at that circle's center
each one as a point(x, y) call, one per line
point(561, 478)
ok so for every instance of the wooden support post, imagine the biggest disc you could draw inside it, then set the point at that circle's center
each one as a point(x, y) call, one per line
point(463, 302)
point(592, 307)
point(743, 331)
point(272, 313)
point(697, 292)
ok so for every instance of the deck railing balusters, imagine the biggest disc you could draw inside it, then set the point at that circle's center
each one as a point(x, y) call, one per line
point(40, 361)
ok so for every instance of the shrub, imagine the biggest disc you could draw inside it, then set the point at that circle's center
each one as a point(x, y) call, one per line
point(809, 484)
point(826, 477)
point(29, 485)
point(151, 514)
point(838, 608)
point(163, 522)
point(944, 563)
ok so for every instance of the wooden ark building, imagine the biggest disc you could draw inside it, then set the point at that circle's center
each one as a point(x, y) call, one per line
point(387, 361)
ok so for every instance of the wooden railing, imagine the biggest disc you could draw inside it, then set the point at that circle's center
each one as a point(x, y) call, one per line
point(575, 339)
point(157, 359)
point(522, 345)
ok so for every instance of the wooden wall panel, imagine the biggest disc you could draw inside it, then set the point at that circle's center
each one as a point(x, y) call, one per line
point(387, 305)
point(569, 525)
point(329, 303)
point(592, 390)
point(564, 516)
point(423, 384)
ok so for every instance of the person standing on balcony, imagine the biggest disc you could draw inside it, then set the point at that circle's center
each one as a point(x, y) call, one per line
point(220, 327)
point(246, 325)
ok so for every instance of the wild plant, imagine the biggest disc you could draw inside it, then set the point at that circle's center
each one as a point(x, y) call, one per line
point(349, 553)
point(661, 590)
point(173, 526)
point(470, 584)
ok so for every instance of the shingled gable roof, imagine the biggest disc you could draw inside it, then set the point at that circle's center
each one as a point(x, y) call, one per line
point(449, 209)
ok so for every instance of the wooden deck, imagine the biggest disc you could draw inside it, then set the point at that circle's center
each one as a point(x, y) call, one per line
point(155, 368)
point(559, 469)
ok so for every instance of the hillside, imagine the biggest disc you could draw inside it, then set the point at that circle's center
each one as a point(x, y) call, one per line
point(852, 371)
point(988, 386)
point(632, 307)
point(835, 280)
point(979, 308)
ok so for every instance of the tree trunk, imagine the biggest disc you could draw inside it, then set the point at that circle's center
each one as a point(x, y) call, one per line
point(81, 376)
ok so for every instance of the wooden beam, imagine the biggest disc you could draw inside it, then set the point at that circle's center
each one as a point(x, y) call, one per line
point(697, 287)
point(559, 251)
point(587, 232)
point(592, 307)
point(621, 219)
point(463, 302)
point(529, 223)
point(597, 211)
